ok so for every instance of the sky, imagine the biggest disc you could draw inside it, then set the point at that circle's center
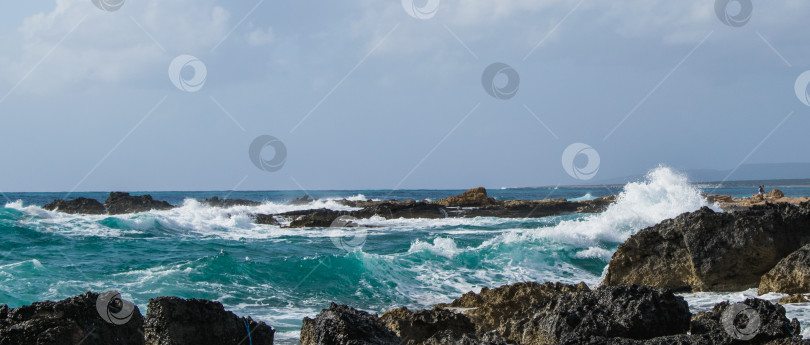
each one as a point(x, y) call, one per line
point(365, 94)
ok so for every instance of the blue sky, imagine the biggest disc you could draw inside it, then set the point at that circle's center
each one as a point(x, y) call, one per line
point(363, 95)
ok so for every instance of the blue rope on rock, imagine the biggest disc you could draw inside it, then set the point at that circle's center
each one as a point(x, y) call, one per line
point(247, 328)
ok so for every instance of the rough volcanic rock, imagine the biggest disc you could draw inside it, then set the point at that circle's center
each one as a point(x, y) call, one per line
point(709, 251)
point(448, 337)
point(791, 275)
point(177, 321)
point(476, 197)
point(304, 200)
point(75, 320)
point(121, 203)
point(633, 312)
point(78, 205)
point(313, 218)
point(597, 205)
point(505, 309)
point(225, 203)
point(416, 327)
point(265, 219)
point(754, 320)
point(402, 210)
point(342, 325)
point(775, 194)
point(797, 298)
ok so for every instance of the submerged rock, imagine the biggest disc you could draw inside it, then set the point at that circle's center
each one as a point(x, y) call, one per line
point(76, 206)
point(313, 218)
point(177, 321)
point(75, 320)
point(791, 275)
point(225, 203)
point(797, 298)
point(122, 203)
point(342, 325)
point(304, 200)
point(709, 251)
point(265, 219)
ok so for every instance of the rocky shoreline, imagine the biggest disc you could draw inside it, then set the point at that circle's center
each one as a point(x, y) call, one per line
point(758, 244)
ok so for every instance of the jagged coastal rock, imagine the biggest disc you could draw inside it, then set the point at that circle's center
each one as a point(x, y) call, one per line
point(767, 323)
point(476, 197)
point(791, 275)
point(77, 206)
point(121, 203)
point(177, 321)
point(341, 324)
point(71, 321)
point(709, 251)
point(226, 203)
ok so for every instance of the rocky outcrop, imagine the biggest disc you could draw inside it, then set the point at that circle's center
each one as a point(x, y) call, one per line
point(504, 309)
point(709, 251)
point(75, 320)
point(304, 200)
point(78, 205)
point(226, 203)
point(797, 298)
point(754, 320)
point(312, 218)
point(417, 327)
point(265, 219)
point(342, 325)
point(791, 275)
point(632, 312)
point(389, 210)
point(775, 194)
point(476, 197)
point(121, 203)
point(177, 321)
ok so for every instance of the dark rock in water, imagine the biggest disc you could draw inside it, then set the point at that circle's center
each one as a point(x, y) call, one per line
point(754, 320)
point(506, 309)
point(75, 320)
point(633, 312)
point(225, 203)
point(709, 251)
point(78, 205)
point(416, 327)
point(121, 203)
point(304, 200)
point(265, 219)
point(402, 210)
point(342, 325)
point(476, 197)
point(791, 275)
point(313, 218)
point(177, 321)
point(797, 298)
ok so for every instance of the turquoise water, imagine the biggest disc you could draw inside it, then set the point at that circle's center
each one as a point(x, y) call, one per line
point(282, 275)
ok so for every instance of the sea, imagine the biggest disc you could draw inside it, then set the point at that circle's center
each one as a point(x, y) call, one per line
point(280, 275)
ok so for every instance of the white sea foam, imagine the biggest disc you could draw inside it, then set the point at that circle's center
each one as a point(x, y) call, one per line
point(441, 246)
point(585, 197)
point(664, 194)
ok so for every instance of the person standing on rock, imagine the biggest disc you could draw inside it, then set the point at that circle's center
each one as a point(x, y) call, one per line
point(762, 190)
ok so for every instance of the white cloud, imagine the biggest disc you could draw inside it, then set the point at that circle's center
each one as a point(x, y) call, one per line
point(260, 37)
